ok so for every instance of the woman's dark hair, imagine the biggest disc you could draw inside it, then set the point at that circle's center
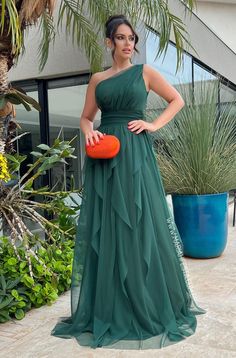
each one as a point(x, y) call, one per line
point(111, 26)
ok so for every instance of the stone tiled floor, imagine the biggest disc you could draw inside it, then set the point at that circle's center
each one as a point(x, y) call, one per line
point(213, 283)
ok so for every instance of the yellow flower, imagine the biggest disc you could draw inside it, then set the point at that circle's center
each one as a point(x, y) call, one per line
point(4, 173)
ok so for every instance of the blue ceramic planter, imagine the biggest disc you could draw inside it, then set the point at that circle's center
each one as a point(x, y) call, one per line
point(202, 221)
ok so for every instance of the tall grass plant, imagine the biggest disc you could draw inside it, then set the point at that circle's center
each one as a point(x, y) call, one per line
point(196, 151)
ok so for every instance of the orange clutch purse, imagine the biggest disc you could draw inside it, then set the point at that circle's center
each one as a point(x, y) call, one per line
point(108, 147)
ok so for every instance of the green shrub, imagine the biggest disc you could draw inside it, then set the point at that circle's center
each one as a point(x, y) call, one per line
point(20, 292)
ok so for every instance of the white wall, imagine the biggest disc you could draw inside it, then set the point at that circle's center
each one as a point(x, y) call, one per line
point(64, 58)
point(211, 50)
point(221, 19)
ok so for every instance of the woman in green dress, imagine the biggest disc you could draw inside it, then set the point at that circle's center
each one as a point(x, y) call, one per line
point(129, 285)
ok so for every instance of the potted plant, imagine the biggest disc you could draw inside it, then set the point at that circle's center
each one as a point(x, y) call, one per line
point(196, 152)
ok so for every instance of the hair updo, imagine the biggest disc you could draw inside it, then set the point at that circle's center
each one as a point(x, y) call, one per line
point(111, 26)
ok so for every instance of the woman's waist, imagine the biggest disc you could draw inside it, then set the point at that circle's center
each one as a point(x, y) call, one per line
point(120, 117)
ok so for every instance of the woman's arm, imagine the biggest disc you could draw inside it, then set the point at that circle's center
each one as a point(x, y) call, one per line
point(89, 111)
point(156, 82)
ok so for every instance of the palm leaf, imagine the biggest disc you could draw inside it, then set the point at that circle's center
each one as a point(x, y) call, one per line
point(48, 35)
point(84, 21)
point(31, 11)
point(27, 99)
point(81, 31)
point(79, 15)
point(3, 101)
point(157, 16)
point(12, 25)
point(18, 97)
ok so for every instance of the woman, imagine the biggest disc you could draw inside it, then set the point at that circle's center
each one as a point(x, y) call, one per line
point(134, 292)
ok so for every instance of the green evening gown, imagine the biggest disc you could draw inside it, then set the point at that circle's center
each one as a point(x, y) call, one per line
point(129, 285)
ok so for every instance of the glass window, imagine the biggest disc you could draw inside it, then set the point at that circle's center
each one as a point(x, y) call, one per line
point(227, 94)
point(202, 75)
point(228, 99)
point(166, 65)
point(65, 107)
point(29, 123)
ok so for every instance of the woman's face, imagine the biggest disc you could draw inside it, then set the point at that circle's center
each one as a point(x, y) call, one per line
point(124, 40)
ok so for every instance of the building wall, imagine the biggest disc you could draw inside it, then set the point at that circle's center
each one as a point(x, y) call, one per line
point(65, 59)
point(207, 44)
point(220, 17)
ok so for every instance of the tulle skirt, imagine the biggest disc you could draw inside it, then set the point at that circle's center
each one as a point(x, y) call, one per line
point(129, 285)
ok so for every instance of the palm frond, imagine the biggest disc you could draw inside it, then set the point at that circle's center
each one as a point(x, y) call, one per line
point(84, 21)
point(31, 11)
point(190, 4)
point(157, 16)
point(81, 31)
point(10, 25)
point(99, 11)
point(48, 33)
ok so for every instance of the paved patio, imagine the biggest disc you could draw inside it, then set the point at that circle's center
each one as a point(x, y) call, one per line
point(213, 285)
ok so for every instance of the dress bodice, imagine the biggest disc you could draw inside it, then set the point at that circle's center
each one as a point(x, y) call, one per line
point(123, 93)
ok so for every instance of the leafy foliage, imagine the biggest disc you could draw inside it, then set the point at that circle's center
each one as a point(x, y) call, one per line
point(196, 151)
point(18, 96)
point(19, 292)
point(21, 201)
point(10, 24)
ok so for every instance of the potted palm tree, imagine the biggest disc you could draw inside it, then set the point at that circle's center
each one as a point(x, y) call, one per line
point(196, 152)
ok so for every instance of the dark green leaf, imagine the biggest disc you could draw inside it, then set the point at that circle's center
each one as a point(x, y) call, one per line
point(6, 302)
point(3, 101)
point(11, 284)
point(13, 99)
point(4, 316)
point(3, 283)
point(28, 99)
point(19, 314)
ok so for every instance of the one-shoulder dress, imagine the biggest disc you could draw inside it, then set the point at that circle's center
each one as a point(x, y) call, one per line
point(129, 285)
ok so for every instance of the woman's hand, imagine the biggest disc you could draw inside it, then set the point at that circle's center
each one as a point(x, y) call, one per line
point(93, 135)
point(139, 125)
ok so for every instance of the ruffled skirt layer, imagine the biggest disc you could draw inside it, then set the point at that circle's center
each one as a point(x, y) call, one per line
point(129, 285)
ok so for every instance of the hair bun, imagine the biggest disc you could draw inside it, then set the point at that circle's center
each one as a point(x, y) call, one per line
point(115, 17)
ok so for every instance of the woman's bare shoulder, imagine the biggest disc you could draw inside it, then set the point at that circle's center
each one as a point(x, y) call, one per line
point(99, 76)
point(149, 70)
